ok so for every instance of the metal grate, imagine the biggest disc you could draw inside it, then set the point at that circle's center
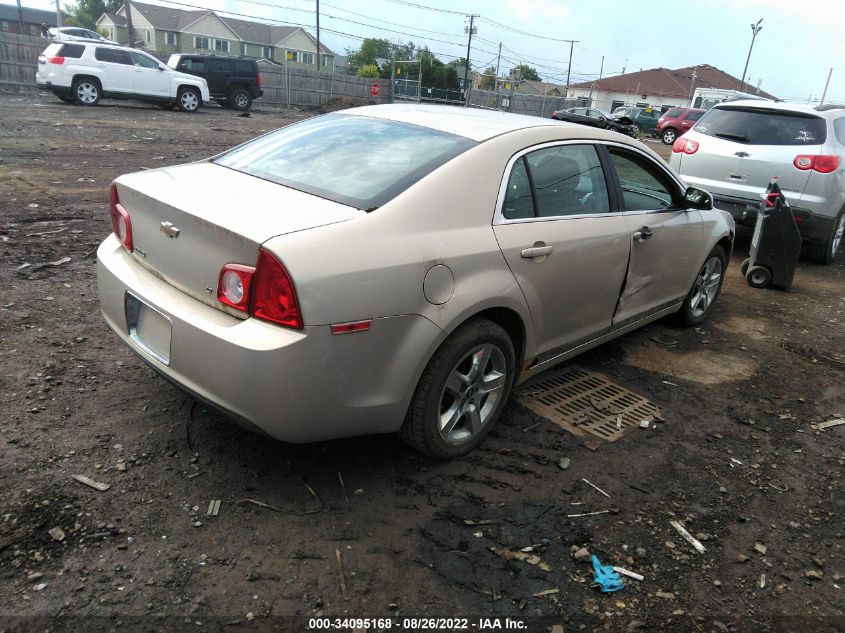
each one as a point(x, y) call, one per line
point(586, 403)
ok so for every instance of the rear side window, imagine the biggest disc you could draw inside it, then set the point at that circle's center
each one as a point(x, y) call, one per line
point(112, 55)
point(761, 126)
point(839, 130)
point(72, 50)
point(674, 113)
point(694, 116)
point(564, 180)
point(217, 65)
point(244, 68)
point(354, 160)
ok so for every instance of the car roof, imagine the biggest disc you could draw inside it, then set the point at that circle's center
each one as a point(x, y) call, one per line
point(472, 123)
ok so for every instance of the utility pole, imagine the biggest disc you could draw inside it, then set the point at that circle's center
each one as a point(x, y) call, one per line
point(755, 29)
point(692, 84)
point(826, 84)
point(319, 66)
point(58, 16)
point(601, 69)
point(498, 61)
point(20, 20)
point(470, 31)
point(569, 68)
point(127, 6)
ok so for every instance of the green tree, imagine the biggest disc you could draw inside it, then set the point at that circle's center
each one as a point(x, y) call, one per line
point(434, 73)
point(85, 13)
point(527, 72)
point(369, 70)
point(488, 79)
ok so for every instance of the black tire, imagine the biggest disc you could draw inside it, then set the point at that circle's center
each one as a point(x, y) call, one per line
point(240, 99)
point(669, 135)
point(824, 252)
point(188, 99)
point(166, 106)
point(743, 267)
point(434, 399)
point(694, 311)
point(758, 276)
point(86, 91)
point(635, 130)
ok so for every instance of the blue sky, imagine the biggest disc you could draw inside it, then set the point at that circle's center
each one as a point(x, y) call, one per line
point(791, 57)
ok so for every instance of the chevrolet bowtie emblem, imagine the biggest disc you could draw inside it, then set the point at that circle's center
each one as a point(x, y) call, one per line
point(169, 229)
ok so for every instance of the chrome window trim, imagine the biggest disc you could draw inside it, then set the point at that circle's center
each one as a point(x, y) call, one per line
point(498, 216)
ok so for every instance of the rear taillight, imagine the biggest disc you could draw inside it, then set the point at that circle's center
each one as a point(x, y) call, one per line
point(685, 145)
point(55, 60)
point(273, 295)
point(120, 221)
point(265, 292)
point(258, 80)
point(234, 284)
point(824, 164)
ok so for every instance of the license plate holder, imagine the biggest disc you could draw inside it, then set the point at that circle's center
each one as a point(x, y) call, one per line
point(149, 328)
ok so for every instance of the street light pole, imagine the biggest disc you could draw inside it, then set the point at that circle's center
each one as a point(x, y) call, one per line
point(755, 29)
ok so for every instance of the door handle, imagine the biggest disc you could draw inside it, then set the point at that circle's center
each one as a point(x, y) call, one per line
point(643, 234)
point(536, 251)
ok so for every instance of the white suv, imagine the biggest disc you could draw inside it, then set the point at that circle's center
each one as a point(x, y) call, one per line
point(85, 72)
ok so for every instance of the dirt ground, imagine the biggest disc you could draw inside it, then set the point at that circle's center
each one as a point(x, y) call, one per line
point(736, 461)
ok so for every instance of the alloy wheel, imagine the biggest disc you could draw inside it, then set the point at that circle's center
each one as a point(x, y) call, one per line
point(86, 92)
point(706, 287)
point(472, 393)
point(189, 100)
point(837, 235)
point(240, 100)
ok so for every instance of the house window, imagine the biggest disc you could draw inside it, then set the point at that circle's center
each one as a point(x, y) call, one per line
point(325, 60)
point(201, 42)
point(170, 38)
point(307, 58)
point(293, 56)
point(4, 25)
point(149, 37)
point(243, 48)
point(267, 52)
point(221, 45)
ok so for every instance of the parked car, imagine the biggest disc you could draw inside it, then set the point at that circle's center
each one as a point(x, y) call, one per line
point(74, 33)
point(232, 81)
point(595, 118)
point(738, 146)
point(85, 72)
point(675, 122)
point(338, 277)
point(642, 119)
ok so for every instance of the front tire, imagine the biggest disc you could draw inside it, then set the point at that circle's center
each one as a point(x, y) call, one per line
point(188, 100)
point(462, 391)
point(705, 290)
point(825, 252)
point(635, 130)
point(668, 136)
point(86, 92)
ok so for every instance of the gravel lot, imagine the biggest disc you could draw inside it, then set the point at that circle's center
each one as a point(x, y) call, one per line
point(736, 461)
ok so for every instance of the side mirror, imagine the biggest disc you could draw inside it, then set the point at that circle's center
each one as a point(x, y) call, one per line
point(698, 199)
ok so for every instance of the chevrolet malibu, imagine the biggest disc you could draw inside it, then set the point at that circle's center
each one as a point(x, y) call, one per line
point(400, 268)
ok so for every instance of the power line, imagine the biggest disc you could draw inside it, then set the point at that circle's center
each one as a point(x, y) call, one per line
point(515, 30)
point(427, 8)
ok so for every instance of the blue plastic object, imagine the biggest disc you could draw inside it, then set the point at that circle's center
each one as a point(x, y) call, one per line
point(605, 577)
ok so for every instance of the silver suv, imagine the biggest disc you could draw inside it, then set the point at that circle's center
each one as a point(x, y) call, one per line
point(737, 147)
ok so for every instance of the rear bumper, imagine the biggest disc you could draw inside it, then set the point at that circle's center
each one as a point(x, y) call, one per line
point(63, 91)
point(813, 227)
point(295, 386)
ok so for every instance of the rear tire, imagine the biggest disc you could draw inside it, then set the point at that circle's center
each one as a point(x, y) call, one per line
point(669, 135)
point(188, 100)
point(240, 99)
point(825, 252)
point(462, 391)
point(758, 276)
point(86, 91)
point(705, 289)
point(743, 267)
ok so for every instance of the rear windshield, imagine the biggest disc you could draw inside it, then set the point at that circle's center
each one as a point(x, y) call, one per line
point(761, 126)
point(354, 160)
point(674, 113)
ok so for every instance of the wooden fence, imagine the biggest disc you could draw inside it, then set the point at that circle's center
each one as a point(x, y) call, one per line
point(19, 59)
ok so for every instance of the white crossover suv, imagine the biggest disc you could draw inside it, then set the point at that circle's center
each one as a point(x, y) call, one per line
point(85, 72)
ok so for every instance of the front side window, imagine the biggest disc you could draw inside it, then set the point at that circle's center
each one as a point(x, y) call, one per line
point(332, 157)
point(557, 181)
point(763, 126)
point(195, 65)
point(139, 59)
point(644, 188)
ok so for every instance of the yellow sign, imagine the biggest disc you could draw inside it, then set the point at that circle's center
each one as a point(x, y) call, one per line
point(398, 71)
point(507, 86)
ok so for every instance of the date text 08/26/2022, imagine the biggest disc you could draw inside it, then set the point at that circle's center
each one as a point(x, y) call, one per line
point(415, 624)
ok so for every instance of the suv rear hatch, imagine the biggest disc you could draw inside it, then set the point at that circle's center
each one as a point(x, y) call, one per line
point(188, 221)
point(740, 148)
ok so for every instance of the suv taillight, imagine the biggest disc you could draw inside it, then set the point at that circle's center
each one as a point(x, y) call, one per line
point(824, 164)
point(265, 292)
point(56, 60)
point(685, 145)
point(258, 79)
point(120, 220)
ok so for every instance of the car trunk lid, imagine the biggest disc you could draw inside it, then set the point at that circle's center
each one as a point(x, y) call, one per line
point(188, 221)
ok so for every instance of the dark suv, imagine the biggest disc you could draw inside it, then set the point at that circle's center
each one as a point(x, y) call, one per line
point(232, 81)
